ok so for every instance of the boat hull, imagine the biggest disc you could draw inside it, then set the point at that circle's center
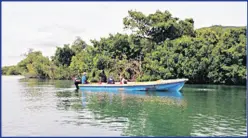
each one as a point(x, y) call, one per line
point(164, 85)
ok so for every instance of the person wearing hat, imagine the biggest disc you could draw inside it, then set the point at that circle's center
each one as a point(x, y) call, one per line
point(84, 78)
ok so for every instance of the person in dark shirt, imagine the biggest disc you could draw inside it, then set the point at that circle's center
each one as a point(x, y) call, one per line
point(77, 81)
point(103, 77)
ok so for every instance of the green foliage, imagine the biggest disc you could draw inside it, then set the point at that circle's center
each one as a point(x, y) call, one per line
point(62, 72)
point(159, 26)
point(35, 65)
point(10, 70)
point(160, 47)
point(63, 55)
point(78, 45)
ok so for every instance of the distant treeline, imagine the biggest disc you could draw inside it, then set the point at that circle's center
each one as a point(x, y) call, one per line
point(160, 47)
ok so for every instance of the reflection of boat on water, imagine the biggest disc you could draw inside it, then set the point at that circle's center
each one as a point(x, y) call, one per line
point(161, 85)
point(172, 94)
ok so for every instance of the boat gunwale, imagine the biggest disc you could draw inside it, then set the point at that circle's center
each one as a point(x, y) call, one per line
point(131, 84)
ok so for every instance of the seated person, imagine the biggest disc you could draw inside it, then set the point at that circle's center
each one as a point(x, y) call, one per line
point(84, 78)
point(123, 80)
point(103, 77)
point(111, 80)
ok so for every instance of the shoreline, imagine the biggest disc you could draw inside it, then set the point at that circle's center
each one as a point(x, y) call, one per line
point(187, 83)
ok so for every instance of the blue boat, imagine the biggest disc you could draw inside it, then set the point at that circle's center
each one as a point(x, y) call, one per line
point(160, 85)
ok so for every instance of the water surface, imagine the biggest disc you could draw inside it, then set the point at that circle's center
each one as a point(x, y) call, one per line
point(55, 108)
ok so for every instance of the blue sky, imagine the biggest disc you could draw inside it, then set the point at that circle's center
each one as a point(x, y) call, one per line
point(45, 25)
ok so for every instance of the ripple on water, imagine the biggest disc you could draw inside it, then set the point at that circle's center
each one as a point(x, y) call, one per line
point(210, 126)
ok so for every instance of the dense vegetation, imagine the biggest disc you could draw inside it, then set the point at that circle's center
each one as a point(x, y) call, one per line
point(160, 47)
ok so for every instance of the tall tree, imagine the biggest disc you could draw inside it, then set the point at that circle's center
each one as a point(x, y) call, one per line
point(78, 45)
point(63, 55)
point(159, 26)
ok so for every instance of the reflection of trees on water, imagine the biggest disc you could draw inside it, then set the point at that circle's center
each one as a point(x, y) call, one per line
point(69, 100)
point(133, 115)
point(36, 82)
point(217, 110)
point(217, 125)
point(38, 89)
point(149, 115)
point(222, 101)
point(142, 115)
point(33, 89)
point(146, 115)
point(39, 94)
point(46, 83)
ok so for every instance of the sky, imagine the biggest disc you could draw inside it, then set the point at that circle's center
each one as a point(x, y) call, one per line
point(45, 25)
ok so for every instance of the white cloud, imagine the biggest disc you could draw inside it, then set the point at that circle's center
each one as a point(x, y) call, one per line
point(45, 25)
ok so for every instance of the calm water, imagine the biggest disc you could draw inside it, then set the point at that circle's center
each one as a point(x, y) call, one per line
point(49, 108)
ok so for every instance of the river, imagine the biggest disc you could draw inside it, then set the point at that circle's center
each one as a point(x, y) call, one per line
point(55, 108)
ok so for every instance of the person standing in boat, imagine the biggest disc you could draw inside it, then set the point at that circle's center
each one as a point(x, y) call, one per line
point(84, 78)
point(77, 81)
point(103, 77)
